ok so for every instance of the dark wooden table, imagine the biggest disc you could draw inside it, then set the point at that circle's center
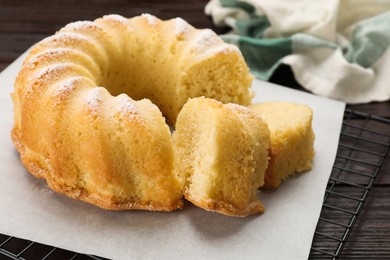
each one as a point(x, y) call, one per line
point(24, 22)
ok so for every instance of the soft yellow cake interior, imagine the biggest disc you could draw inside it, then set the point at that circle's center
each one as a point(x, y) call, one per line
point(292, 139)
point(221, 155)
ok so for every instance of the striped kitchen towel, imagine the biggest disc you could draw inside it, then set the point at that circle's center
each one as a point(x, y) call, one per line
point(336, 48)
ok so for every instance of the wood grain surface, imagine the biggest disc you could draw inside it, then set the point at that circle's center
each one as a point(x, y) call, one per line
point(24, 22)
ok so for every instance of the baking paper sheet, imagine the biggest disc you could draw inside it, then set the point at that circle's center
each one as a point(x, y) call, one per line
point(30, 210)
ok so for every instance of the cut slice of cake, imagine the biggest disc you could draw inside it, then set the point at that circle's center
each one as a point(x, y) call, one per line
point(292, 139)
point(221, 153)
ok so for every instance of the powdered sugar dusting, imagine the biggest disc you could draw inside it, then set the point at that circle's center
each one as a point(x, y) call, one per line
point(94, 98)
point(116, 17)
point(66, 86)
point(225, 49)
point(181, 26)
point(64, 36)
point(64, 91)
point(80, 25)
point(128, 111)
point(46, 74)
point(206, 39)
point(51, 72)
point(240, 109)
point(49, 54)
point(126, 104)
point(150, 18)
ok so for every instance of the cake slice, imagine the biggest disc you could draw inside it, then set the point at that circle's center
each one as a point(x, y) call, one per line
point(221, 153)
point(292, 140)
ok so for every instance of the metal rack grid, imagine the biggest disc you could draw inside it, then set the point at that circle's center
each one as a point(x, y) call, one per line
point(363, 147)
point(358, 161)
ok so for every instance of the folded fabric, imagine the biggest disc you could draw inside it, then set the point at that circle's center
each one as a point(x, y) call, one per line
point(336, 48)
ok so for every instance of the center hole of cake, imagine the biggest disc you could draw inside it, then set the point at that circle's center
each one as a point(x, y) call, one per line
point(142, 75)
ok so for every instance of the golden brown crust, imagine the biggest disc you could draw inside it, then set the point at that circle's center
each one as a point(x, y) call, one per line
point(253, 207)
point(15, 136)
point(37, 170)
point(271, 181)
point(110, 203)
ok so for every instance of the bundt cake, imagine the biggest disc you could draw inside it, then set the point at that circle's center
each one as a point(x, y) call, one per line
point(292, 139)
point(77, 127)
point(221, 155)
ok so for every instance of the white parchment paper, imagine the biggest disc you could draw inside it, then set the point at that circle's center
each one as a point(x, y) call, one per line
point(30, 210)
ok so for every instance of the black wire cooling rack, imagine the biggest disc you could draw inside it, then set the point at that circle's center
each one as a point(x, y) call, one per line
point(362, 150)
point(363, 147)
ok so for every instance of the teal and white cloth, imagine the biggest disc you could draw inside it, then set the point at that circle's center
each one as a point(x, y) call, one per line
point(336, 48)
